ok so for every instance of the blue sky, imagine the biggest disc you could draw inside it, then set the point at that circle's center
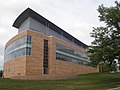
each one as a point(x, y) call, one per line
point(77, 17)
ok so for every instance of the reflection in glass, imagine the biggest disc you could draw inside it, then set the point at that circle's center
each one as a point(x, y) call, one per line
point(20, 47)
point(70, 55)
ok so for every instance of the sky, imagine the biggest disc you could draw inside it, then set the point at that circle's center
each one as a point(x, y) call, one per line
point(77, 17)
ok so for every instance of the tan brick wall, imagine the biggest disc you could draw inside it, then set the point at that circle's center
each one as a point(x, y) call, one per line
point(63, 68)
point(35, 61)
point(33, 65)
point(70, 69)
point(15, 67)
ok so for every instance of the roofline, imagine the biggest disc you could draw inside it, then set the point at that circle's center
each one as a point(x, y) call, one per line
point(30, 13)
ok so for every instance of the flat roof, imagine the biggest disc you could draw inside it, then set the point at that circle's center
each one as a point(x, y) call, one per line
point(30, 13)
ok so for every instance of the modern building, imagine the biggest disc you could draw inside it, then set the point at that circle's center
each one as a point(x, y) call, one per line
point(43, 50)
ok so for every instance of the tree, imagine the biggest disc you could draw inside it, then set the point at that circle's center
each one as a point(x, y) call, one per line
point(106, 45)
point(1, 73)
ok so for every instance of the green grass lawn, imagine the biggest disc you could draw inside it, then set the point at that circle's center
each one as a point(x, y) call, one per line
point(82, 82)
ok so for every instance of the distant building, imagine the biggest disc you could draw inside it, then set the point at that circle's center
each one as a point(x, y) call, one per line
point(43, 50)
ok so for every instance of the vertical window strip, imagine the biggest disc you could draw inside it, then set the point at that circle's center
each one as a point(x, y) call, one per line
point(45, 60)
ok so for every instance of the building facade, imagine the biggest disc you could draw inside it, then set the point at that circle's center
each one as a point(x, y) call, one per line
point(43, 50)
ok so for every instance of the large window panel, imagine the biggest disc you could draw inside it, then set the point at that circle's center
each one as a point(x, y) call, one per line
point(65, 53)
point(20, 47)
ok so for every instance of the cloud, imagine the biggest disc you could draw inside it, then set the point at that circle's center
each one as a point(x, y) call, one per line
point(77, 17)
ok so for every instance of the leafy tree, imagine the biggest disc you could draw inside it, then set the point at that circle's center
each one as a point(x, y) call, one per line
point(106, 45)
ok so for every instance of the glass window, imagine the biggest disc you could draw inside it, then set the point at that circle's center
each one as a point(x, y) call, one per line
point(45, 60)
point(70, 55)
point(19, 47)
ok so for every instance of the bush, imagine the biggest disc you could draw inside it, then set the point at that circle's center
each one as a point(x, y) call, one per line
point(105, 67)
point(1, 73)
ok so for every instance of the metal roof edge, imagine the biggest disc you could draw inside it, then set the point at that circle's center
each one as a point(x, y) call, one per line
point(30, 13)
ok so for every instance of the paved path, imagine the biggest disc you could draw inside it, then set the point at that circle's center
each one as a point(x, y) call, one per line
point(118, 88)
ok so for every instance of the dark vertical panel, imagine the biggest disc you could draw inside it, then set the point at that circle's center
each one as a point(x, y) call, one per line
point(45, 60)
